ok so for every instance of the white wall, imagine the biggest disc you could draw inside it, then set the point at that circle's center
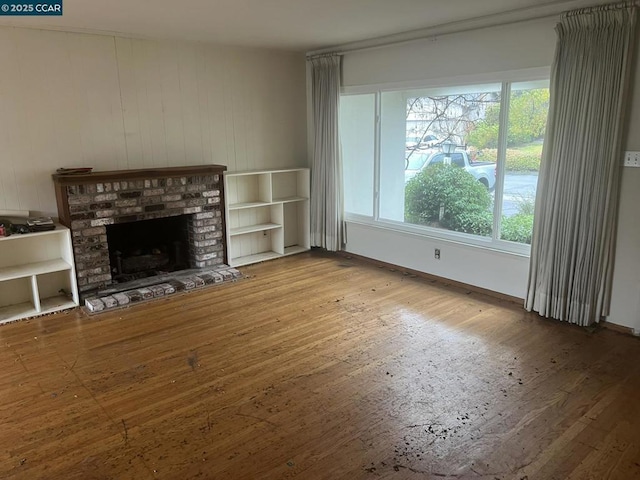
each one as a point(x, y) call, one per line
point(490, 269)
point(69, 99)
point(503, 49)
point(625, 301)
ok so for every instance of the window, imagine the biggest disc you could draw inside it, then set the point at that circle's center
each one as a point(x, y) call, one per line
point(357, 131)
point(459, 162)
point(528, 108)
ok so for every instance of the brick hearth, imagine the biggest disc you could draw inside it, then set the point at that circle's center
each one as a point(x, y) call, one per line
point(88, 203)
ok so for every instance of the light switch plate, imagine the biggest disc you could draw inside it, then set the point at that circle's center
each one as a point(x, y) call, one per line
point(632, 159)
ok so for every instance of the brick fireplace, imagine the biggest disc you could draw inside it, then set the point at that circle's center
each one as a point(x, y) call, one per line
point(89, 203)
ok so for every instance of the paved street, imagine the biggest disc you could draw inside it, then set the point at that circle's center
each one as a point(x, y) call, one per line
point(518, 187)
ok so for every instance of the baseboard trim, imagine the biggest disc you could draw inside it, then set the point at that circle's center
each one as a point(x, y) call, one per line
point(442, 280)
point(618, 328)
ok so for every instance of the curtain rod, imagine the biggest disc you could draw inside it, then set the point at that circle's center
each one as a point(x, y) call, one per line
point(547, 10)
point(324, 55)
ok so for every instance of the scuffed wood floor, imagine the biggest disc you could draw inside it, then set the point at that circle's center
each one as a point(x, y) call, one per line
point(318, 367)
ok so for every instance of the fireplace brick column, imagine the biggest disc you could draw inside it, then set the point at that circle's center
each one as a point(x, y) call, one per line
point(88, 203)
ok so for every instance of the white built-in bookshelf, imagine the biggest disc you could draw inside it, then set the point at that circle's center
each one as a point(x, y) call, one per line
point(37, 275)
point(267, 214)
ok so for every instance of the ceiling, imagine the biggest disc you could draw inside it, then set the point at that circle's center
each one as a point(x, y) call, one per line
point(299, 25)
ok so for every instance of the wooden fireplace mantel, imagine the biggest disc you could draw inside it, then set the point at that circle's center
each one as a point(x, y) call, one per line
point(119, 175)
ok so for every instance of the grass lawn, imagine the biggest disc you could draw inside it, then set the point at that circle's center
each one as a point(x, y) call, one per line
point(533, 148)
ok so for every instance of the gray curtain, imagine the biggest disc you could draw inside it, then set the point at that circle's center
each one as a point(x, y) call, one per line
point(327, 210)
point(572, 249)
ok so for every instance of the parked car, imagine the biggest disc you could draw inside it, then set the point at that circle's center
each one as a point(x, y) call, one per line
point(421, 142)
point(484, 172)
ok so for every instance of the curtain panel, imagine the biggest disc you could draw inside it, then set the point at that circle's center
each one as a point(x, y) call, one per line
point(327, 209)
point(572, 249)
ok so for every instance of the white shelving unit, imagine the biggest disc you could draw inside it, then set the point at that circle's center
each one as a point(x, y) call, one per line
point(37, 275)
point(267, 214)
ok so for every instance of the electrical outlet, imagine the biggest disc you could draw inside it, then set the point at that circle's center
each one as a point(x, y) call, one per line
point(437, 254)
point(632, 159)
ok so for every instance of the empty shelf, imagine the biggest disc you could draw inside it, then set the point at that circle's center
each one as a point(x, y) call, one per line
point(36, 268)
point(253, 228)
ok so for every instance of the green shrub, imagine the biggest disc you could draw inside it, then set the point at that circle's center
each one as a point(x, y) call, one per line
point(517, 228)
point(484, 136)
point(466, 201)
point(522, 161)
point(526, 203)
point(516, 160)
point(488, 155)
point(472, 220)
point(527, 120)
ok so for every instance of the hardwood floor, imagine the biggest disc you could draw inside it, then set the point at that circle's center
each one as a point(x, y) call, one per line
point(318, 367)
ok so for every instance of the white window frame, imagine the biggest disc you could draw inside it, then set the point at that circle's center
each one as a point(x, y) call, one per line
point(506, 79)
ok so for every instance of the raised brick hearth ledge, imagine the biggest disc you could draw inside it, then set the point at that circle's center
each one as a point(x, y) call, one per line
point(87, 203)
point(165, 285)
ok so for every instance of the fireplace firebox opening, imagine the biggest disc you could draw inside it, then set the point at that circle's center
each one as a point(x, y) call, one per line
point(148, 247)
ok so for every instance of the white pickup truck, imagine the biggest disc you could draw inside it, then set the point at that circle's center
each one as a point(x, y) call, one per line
point(484, 172)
